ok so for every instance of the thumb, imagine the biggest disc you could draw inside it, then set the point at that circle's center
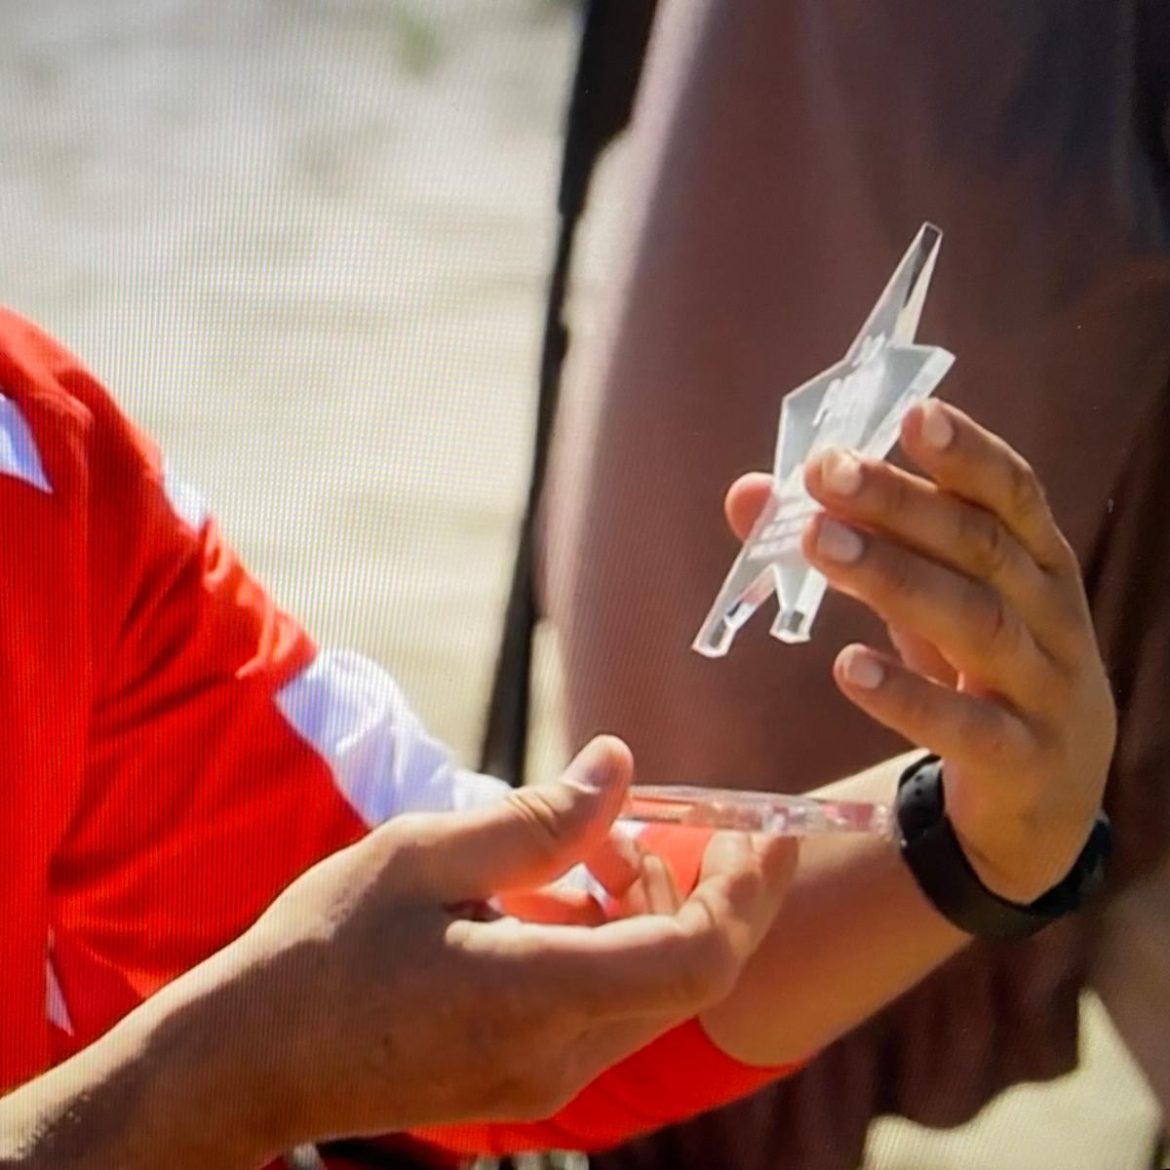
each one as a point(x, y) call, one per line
point(745, 500)
point(536, 833)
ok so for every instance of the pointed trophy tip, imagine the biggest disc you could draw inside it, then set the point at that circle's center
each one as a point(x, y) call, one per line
point(714, 639)
point(928, 241)
point(793, 625)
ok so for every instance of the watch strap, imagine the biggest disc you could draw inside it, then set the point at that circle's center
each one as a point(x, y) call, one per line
point(935, 857)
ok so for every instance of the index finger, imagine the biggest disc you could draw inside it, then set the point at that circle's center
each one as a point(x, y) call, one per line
point(666, 965)
point(969, 461)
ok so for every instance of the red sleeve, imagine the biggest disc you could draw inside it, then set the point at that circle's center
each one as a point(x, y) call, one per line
point(166, 727)
point(678, 1076)
point(217, 753)
point(45, 673)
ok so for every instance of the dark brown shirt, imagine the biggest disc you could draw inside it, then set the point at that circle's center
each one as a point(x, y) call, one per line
point(790, 150)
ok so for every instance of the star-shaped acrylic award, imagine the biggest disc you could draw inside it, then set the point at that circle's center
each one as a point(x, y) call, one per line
point(857, 403)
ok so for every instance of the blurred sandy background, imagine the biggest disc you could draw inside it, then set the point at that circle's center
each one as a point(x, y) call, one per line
point(304, 242)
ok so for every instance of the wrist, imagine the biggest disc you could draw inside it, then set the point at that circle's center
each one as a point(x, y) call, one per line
point(984, 904)
point(218, 1052)
point(1018, 858)
point(134, 1099)
point(1018, 873)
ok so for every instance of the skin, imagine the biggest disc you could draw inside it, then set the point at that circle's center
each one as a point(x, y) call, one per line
point(997, 672)
point(1001, 675)
point(321, 1020)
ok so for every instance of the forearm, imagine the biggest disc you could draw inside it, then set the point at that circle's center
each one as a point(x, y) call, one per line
point(853, 934)
point(168, 1086)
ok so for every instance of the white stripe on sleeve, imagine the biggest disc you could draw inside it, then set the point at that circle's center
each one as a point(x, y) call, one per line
point(354, 715)
point(186, 501)
point(18, 450)
point(56, 1009)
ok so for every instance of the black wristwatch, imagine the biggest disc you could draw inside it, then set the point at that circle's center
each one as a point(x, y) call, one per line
point(936, 859)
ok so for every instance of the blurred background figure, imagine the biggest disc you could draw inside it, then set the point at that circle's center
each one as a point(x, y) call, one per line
point(782, 157)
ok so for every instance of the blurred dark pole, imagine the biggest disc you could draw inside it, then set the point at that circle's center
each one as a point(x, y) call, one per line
point(614, 37)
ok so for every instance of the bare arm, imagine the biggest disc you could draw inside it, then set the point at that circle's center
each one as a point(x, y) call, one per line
point(173, 1084)
point(853, 934)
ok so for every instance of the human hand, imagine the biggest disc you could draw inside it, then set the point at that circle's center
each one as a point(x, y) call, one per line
point(396, 1005)
point(1000, 673)
point(647, 885)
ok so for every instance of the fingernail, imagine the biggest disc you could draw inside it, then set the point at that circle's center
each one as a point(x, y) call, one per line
point(592, 778)
point(937, 430)
point(841, 472)
point(594, 767)
point(838, 543)
point(863, 670)
point(587, 775)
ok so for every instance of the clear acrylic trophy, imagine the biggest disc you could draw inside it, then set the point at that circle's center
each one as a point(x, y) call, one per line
point(753, 812)
point(857, 403)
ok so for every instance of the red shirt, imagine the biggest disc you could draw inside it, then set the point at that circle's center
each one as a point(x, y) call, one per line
point(174, 750)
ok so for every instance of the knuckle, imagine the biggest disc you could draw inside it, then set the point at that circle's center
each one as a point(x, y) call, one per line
point(1066, 563)
point(402, 850)
point(713, 973)
point(897, 580)
point(542, 822)
point(1106, 704)
point(986, 541)
point(996, 629)
point(1025, 496)
point(406, 835)
point(992, 732)
point(744, 885)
